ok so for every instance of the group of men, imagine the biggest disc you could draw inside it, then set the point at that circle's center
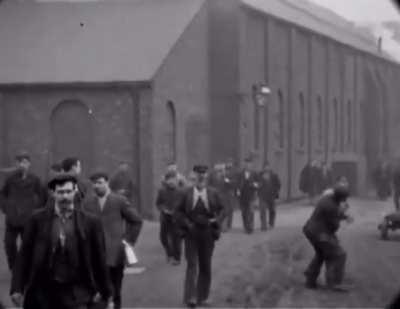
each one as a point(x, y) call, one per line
point(73, 233)
point(315, 177)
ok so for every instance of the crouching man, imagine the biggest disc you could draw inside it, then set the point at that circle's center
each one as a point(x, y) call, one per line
point(320, 230)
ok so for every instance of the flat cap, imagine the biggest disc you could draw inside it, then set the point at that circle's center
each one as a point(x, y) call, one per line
point(23, 154)
point(61, 178)
point(200, 169)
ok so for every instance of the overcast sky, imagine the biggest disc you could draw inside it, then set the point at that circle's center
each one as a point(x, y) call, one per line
point(362, 10)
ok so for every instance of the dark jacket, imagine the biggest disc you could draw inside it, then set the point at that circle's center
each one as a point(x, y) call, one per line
point(21, 197)
point(32, 266)
point(168, 199)
point(120, 221)
point(247, 187)
point(326, 217)
point(269, 188)
point(186, 217)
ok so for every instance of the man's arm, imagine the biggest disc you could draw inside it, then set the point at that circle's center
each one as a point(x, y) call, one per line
point(133, 221)
point(180, 213)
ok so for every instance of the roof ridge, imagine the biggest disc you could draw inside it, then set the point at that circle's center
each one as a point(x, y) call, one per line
point(325, 21)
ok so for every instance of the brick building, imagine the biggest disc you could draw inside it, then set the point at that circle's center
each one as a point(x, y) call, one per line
point(150, 81)
point(105, 81)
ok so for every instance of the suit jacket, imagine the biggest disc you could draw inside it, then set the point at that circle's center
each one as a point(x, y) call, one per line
point(37, 249)
point(269, 189)
point(247, 187)
point(326, 217)
point(21, 197)
point(216, 211)
point(120, 221)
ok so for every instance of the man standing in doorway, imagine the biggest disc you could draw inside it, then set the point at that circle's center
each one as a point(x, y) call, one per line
point(22, 194)
point(62, 262)
point(120, 222)
point(200, 214)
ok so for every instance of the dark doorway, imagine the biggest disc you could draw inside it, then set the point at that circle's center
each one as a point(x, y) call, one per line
point(72, 133)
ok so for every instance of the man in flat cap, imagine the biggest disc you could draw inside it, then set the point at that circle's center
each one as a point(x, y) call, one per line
point(22, 193)
point(247, 190)
point(62, 263)
point(320, 230)
point(200, 214)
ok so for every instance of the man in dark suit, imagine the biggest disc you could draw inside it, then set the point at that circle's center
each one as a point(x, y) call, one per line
point(120, 222)
point(200, 214)
point(248, 185)
point(320, 230)
point(62, 263)
point(270, 186)
point(22, 193)
point(168, 198)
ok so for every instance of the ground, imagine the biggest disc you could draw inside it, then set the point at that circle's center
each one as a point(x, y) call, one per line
point(265, 269)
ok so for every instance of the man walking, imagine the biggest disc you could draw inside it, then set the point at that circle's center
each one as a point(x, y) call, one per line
point(122, 183)
point(115, 212)
point(270, 186)
point(200, 213)
point(22, 193)
point(248, 186)
point(62, 262)
point(320, 230)
point(167, 201)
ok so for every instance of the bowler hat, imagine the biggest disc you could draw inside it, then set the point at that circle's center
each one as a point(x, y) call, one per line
point(61, 178)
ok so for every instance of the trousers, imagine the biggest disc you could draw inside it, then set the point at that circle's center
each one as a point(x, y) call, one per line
point(11, 236)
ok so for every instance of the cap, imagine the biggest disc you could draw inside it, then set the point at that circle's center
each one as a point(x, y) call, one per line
point(170, 174)
point(200, 169)
point(22, 155)
point(61, 178)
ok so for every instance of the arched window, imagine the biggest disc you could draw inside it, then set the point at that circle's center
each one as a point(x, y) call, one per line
point(319, 121)
point(349, 123)
point(335, 124)
point(281, 120)
point(302, 120)
point(171, 132)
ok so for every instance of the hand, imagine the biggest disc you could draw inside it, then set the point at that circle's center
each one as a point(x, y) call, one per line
point(96, 298)
point(17, 299)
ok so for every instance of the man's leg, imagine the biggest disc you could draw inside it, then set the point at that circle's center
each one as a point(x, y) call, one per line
point(263, 215)
point(314, 268)
point(206, 249)
point(191, 254)
point(164, 235)
point(116, 276)
point(335, 260)
point(271, 213)
point(243, 209)
point(10, 244)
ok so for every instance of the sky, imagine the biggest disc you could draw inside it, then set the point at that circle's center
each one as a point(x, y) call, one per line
point(362, 10)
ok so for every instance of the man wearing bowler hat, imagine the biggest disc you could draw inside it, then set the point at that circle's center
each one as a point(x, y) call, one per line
point(200, 214)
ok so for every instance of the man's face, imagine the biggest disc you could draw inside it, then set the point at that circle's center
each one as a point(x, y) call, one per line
point(64, 194)
point(23, 165)
point(124, 167)
point(77, 168)
point(201, 181)
point(172, 168)
point(100, 186)
point(172, 182)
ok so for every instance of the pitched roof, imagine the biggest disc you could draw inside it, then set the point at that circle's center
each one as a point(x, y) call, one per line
point(319, 20)
point(51, 42)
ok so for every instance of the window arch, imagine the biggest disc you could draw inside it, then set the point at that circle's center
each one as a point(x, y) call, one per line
point(335, 124)
point(319, 121)
point(302, 120)
point(171, 132)
point(281, 120)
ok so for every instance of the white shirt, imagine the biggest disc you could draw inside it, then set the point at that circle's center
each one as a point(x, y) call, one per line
point(200, 194)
